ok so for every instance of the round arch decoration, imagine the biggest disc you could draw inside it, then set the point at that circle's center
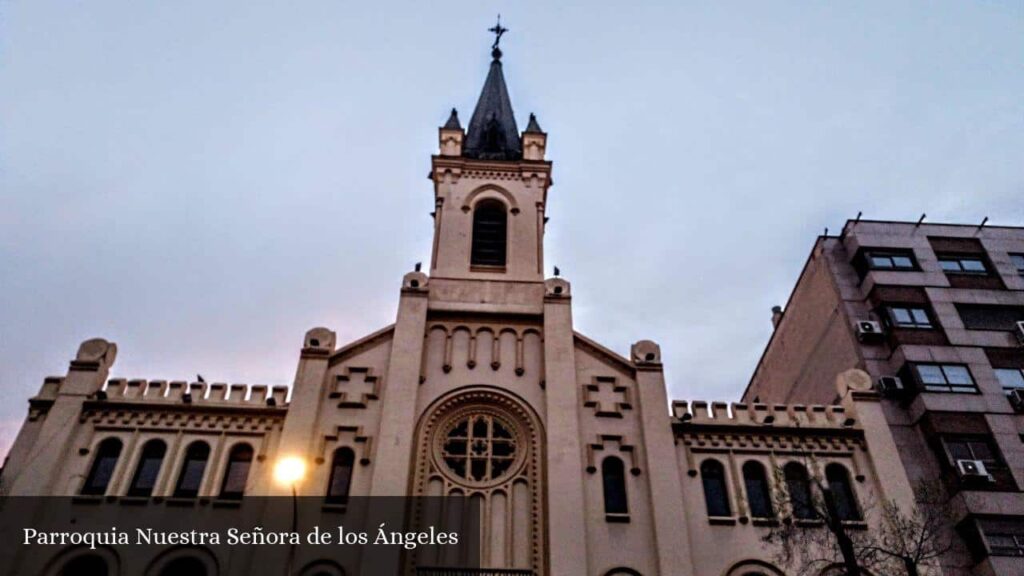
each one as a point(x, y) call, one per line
point(493, 192)
point(753, 568)
point(485, 444)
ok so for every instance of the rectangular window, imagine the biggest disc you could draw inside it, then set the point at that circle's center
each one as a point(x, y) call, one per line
point(1010, 378)
point(945, 378)
point(1004, 537)
point(972, 448)
point(1018, 262)
point(909, 317)
point(890, 260)
point(962, 264)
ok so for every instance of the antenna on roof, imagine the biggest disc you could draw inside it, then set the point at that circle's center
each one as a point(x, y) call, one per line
point(842, 235)
point(983, 222)
point(826, 231)
point(920, 220)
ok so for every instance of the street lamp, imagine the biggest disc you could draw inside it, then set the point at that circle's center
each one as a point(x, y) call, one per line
point(289, 471)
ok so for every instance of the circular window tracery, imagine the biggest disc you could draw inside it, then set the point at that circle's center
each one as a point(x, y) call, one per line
point(479, 448)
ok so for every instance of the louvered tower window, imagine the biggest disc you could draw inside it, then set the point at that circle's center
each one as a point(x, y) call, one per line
point(490, 234)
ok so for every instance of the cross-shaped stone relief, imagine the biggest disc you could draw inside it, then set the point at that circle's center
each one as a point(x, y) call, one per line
point(356, 387)
point(607, 397)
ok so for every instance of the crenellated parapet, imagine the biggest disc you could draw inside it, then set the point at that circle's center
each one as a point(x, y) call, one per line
point(738, 414)
point(178, 392)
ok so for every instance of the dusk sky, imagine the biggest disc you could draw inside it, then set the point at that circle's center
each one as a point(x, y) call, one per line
point(202, 182)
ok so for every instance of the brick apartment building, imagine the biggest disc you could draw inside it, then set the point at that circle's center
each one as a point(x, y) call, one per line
point(933, 312)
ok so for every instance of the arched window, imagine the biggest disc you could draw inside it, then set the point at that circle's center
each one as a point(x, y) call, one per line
point(613, 475)
point(759, 495)
point(185, 566)
point(490, 234)
point(91, 564)
point(798, 485)
point(103, 466)
point(148, 469)
point(341, 476)
point(237, 472)
point(190, 479)
point(716, 495)
point(842, 492)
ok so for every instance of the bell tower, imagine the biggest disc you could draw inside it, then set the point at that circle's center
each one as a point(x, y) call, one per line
point(490, 190)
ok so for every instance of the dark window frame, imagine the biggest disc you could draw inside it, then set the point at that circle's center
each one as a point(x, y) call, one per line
point(1017, 259)
point(234, 482)
point(959, 259)
point(613, 485)
point(145, 478)
point(1009, 388)
point(489, 241)
point(915, 323)
point(891, 255)
point(843, 494)
point(971, 442)
point(339, 484)
point(716, 489)
point(104, 465)
point(947, 387)
point(798, 487)
point(758, 490)
point(197, 452)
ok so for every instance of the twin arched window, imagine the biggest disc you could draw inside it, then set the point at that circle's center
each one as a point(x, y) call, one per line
point(341, 476)
point(613, 475)
point(190, 479)
point(237, 472)
point(490, 234)
point(103, 466)
point(759, 496)
point(148, 468)
point(716, 494)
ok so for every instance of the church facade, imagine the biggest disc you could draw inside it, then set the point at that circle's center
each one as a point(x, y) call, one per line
point(482, 388)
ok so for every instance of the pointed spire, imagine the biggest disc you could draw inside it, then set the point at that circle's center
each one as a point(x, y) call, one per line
point(492, 132)
point(533, 127)
point(453, 121)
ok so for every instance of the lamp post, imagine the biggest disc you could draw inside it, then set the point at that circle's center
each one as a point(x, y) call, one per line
point(289, 471)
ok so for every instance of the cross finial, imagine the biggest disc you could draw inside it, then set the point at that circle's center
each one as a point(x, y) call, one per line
point(498, 30)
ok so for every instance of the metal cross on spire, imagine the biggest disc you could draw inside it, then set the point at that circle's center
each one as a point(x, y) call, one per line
point(498, 30)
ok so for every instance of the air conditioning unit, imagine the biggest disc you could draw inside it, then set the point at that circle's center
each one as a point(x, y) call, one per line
point(869, 331)
point(1020, 332)
point(891, 386)
point(973, 470)
point(1017, 399)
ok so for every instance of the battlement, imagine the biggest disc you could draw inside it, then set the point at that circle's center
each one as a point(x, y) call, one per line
point(163, 392)
point(700, 412)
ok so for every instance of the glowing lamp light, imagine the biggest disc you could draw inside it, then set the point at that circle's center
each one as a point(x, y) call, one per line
point(290, 470)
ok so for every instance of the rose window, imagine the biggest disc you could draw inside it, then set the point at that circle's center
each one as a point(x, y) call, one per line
point(479, 448)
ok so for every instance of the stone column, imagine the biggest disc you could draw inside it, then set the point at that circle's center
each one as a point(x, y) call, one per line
point(33, 470)
point(298, 433)
point(669, 517)
point(566, 509)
